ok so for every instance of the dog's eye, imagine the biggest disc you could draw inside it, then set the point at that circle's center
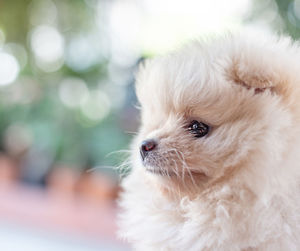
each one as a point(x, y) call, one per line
point(199, 129)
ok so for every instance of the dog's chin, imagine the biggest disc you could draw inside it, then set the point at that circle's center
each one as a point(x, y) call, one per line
point(161, 171)
point(155, 170)
point(189, 184)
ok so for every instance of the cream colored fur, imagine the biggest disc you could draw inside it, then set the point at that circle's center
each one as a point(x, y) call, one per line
point(238, 187)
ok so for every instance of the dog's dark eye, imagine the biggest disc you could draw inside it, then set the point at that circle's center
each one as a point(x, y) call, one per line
point(199, 129)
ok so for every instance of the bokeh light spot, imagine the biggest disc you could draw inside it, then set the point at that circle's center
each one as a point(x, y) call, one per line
point(97, 106)
point(73, 92)
point(83, 52)
point(9, 68)
point(48, 47)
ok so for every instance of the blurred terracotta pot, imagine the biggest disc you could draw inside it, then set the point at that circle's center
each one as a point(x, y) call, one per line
point(62, 180)
point(97, 187)
point(8, 170)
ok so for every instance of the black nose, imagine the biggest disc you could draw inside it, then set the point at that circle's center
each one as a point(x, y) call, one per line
point(146, 147)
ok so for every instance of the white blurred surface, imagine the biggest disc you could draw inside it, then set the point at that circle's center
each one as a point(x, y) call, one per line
point(15, 237)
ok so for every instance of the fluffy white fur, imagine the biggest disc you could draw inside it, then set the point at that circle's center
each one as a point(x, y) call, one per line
point(237, 188)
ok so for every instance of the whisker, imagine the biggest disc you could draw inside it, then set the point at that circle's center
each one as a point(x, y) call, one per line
point(125, 151)
point(186, 167)
point(129, 132)
point(93, 169)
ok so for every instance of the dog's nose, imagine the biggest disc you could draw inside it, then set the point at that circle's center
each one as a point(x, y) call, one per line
point(146, 147)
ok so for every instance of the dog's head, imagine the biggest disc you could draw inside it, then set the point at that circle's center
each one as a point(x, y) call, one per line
point(215, 108)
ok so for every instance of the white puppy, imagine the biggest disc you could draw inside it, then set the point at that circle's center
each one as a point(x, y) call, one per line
point(216, 164)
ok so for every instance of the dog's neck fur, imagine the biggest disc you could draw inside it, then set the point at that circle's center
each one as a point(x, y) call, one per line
point(225, 201)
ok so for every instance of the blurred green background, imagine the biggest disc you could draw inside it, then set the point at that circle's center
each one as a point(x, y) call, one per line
point(66, 70)
point(63, 98)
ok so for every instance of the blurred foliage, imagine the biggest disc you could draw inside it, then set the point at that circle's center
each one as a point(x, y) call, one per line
point(290, 13)
point(31, 108)
point(282, 16)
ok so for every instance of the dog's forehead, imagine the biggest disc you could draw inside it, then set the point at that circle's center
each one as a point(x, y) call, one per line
point(174, 77)
point(205, 102)
point(179, 82)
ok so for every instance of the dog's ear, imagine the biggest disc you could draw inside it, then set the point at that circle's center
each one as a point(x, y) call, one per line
point(258, 69)
point(251, 76)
